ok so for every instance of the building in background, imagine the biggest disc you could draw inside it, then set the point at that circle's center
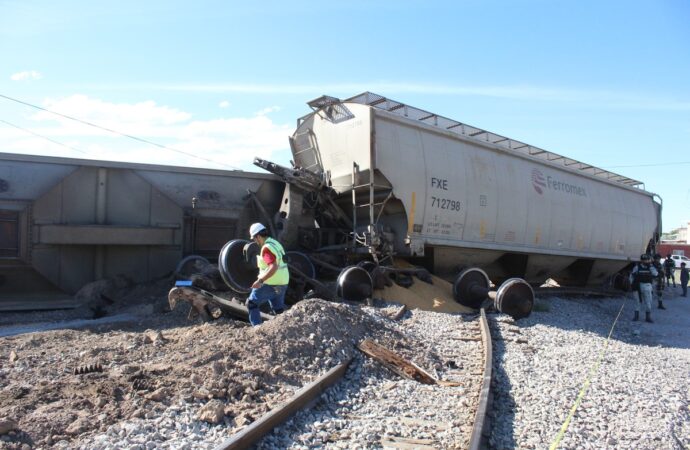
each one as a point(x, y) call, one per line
point(675, 242)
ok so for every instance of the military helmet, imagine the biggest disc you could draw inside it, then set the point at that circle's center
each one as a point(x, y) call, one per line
point(645, 257)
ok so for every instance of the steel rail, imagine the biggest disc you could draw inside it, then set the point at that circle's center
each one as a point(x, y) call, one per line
point(480, 415)
point(257, 430)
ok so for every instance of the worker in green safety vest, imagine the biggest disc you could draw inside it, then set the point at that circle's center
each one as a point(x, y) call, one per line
point(271, 284)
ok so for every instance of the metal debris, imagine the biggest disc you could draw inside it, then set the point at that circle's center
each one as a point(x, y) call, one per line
point(90, 368)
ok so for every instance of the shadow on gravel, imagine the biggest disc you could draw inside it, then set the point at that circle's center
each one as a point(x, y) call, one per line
point(597, 315)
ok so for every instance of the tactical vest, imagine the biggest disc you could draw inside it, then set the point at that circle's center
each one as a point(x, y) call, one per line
point(644, 274)
point(281, 276)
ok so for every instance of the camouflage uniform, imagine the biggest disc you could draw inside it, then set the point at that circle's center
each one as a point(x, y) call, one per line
point(643, 275)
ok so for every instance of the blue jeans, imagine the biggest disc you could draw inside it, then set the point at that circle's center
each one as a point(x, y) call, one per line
point(274, 295)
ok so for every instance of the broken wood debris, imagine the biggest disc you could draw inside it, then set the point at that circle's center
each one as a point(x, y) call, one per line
point(467, 338)
point(407, 443)
point(399, 313)
point(399, 365)
point(201, 301)
point(412, 422)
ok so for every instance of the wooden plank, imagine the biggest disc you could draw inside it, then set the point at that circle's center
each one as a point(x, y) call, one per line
point(399, 313)
point(199, 299)
point(395, 363)
point(466, 338)
point(412, 422)
point(257, 430)
point(407, 444)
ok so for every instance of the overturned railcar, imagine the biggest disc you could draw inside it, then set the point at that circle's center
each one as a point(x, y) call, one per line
point(448, 195)
point(67, 222)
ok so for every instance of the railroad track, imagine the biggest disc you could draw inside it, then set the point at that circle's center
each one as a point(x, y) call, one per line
point(473, 402)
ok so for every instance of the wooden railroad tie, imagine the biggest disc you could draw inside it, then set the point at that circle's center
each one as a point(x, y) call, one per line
point(399, 365)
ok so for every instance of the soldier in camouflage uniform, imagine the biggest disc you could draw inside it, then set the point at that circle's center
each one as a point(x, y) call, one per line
point(659, 282)
point(641, 279)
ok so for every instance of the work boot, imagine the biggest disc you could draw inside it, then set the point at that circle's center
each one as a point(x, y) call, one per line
point(661, 305)
point(648, 317)
point(637, 316)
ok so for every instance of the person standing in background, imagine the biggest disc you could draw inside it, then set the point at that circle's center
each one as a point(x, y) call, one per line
point(659, 280)
point(641, 278)
point(669, 269)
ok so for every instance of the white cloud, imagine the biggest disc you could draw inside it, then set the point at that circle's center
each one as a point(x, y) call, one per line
point(105, 113)
point(227, 143)
point(268, 110)
point(26, 75)
point(224, 104)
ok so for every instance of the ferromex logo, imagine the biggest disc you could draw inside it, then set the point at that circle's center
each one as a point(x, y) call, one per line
point(538, 181)
point(541, 183)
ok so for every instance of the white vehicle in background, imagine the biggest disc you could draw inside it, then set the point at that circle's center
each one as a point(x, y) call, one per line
point(677, 259)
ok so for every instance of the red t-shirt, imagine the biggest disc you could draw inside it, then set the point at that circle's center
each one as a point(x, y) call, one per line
point(269, 258)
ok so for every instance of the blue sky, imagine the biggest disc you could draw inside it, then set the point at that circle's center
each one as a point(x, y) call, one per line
point(607, 83)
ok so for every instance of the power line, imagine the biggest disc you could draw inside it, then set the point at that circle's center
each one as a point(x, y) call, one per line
point(44, 137)
point(118, 132)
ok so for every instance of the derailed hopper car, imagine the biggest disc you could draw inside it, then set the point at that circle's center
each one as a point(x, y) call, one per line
point(381, 178)
point(374, 179)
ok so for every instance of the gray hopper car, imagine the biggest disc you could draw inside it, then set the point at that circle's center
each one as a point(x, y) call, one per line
point(451, 196)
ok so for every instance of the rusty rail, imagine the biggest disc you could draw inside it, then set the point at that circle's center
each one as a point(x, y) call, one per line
point(480, 415)
point(257, 430)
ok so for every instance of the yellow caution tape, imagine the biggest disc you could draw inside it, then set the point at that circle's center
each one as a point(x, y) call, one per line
point(582, 392)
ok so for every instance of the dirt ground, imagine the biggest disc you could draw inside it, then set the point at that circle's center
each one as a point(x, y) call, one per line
point(138, 368)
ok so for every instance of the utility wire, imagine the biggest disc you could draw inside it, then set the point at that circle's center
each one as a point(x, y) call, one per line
point(44, 137)
point(117, 132)
point(206, 159)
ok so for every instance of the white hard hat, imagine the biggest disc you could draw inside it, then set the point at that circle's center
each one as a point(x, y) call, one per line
point(255, 229)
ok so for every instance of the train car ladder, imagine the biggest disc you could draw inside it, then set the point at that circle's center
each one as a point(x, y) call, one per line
point(306, 152)
point(372, 240)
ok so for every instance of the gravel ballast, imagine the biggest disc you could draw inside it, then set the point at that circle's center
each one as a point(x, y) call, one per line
point(637, 399)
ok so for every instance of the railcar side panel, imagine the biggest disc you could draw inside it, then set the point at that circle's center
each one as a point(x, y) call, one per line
point(473, 201)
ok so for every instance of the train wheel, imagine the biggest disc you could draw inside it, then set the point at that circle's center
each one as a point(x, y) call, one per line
point(236, 271)
point(470, 287)
point(354, 284)
point(190, 265)
point(301, 262)
point(515, 297)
